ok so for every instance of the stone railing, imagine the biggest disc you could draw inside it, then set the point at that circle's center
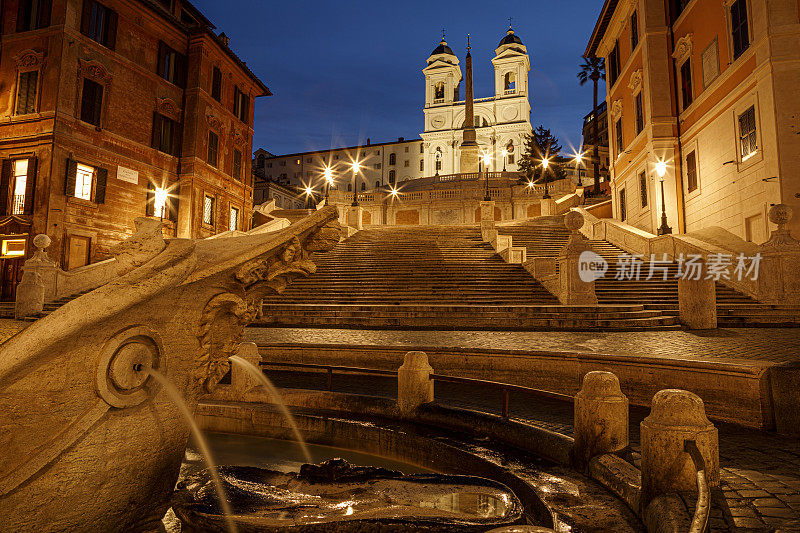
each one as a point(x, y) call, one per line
point(779, 273)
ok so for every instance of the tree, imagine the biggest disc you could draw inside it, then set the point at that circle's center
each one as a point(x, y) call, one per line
point(539, 146)
point(593, 68)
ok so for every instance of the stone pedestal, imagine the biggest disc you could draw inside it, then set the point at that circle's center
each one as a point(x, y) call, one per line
point(43, 266)
point(779, 272)
point(355, 217)
point(243, 381)
point(601, 418)
point(573, 290)
point(697, 303)
point(548, 207)
point(487, 221)
point(414, 383)
point(30, 295)
point(675, 417)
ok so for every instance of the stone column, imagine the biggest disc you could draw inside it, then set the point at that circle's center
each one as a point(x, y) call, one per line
point(487, 220)
point(243, 381)
point(601, 418)
point(573, 289)
point(355, 217)
point(697, 302)
point(414, 383)
point(779, 272)
point(675, 417)
point(30, 295)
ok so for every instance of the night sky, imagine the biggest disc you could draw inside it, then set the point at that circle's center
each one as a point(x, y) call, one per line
point(344, 71)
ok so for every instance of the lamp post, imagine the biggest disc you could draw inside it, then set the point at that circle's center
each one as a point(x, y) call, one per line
point(578, 162)
point(355, 166)
point(505, 153)
point(545, 164)
point(309, 196)
point(328, 182)
point(661, 170)
point(160, 201)
point(487, 159)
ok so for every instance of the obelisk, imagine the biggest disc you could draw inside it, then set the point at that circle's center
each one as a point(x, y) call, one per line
point(469, 145)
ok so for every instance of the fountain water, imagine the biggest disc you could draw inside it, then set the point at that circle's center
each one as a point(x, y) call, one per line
point(173, 393)
point(276, 398)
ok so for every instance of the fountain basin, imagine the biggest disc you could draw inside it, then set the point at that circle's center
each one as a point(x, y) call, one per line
point(338, 496)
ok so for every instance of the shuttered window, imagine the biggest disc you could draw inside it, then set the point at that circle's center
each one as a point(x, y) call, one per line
point(91, 102)
point(166, 135)
point(208, 210)
point(623, 208)
point(740, 34)
point(643, 187)
point(216, 84)
point(27, 91)
point(613, 64)
point(686, 83)
point(634, 30)
point(618, 131)
point(171, 65)
point(639, 113)
point(234, 222)
point(99, 23)
point(33, 14)
point(747, 133)
point(691, 171)
point(213, 149)
point(85, 182)
point(17, 186)
point(237, 164)
point(241, 105)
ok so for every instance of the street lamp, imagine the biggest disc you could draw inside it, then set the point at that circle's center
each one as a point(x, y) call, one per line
point(160, 201)
point(505, 153)
point(328, 173)
point(578, 163)
point(355, 166)
point(545, 164)
point(661, 170)
point(487, 159)
point(309, 195)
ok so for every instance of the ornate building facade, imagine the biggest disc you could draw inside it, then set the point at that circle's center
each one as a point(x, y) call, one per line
point(113, 110)
point(501, 123)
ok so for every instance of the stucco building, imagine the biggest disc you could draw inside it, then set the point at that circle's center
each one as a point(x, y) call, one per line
point(710, 88)
point(107, 108)
point(501, 122)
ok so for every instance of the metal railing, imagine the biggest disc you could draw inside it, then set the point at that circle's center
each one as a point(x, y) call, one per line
point(505, 389)
point(703, 508)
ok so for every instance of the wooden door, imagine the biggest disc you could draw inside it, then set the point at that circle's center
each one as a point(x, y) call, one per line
point(78, 251)
point(11, 274)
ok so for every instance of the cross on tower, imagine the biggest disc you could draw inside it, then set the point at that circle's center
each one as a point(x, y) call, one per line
point(443, 34)
point(509, 22)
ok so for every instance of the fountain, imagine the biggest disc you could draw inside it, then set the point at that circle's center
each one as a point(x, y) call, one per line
point(76, 417)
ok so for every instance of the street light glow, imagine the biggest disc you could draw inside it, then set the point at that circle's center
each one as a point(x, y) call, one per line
point(661, 168)
point(309, 191)
point(579, 158)
point(160, 201)
point(505, 152)
point(545, 163)
point(393, 191)
point(530, 185)
point(356, 166)
point(328, 174)
point(487, 159)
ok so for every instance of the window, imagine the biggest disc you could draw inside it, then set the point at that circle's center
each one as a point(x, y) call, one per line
point(438, 92)
point(208, 210)
point(510, 159)
point(19, 179)
point(740, 35)
point(85, 182)
point(510, 82)
point(216, 84)
point(613, 64)
point(213, 149)
point(643, 187)
point(392, 175)
point(377, 166)
point(349, 187)
point(392, 159)
point(377, 184)
point(234, 221)
point(91, 102)
point(747, 133)
point(33, 14)
point(308, 160)
point(297, 161)
point(618, 132)
point(422, 148)
point(634, 30)
point(622, 207)
point(363, 186)
point(639, 113)
point(171, 65)
point(27, 89)
point(406, 163)
point(406, 149)
point(283, 163)
point(241, 105)
point(237, 164)
point(99, 23)
point(421, 165)
point(686, 83)
point(691, 171)
point(377, 152)
point(165, 135)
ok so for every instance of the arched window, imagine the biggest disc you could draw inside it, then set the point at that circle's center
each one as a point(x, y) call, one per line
point(438, 91)
point(349, 187)
point(391, 177)
point(421, 165)
point(363, 186)
point(392, 159)
point(377, 184)
point(510, 84)
point(510, 151)
point(438, 159)
point(261, 161)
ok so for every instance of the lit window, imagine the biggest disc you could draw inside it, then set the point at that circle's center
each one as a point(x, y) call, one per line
point(747, 133)
point(20, 181)
point(83, 182)
point(234, 223)
point(208, 210)
point(13, 248)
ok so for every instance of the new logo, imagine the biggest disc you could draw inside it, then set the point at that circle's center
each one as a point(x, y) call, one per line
point(591, 266)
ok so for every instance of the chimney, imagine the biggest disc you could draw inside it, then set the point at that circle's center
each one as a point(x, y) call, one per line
point(401, 139)
point(225, 39)
point(368, 141)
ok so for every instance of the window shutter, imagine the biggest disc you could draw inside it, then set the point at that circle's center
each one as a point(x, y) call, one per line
point(180, 70)
point(161, 57)
point(150, 204)
point(30, 186)
point(21, 16)
point(177, 138)
point(45, 7)
point(172, 203)
point(97, 105)
point(101, 176)
point(5, 184)
point(69, 182)
point(155, 140)
point(86, 18)
point(111, 39)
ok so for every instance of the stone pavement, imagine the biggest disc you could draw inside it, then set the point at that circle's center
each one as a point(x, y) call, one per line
point(773, 345)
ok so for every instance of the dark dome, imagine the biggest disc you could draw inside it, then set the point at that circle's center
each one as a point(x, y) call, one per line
point(510, 38)
point(442, 49)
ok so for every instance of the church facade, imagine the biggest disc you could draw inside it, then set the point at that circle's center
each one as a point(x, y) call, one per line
point(501, 123)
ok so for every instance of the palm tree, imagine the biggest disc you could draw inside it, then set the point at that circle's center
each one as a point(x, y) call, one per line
point(593, 68)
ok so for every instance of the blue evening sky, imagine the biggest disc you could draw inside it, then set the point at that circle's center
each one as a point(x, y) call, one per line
point(344, 71)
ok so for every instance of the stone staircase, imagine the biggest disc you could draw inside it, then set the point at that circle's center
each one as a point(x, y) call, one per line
point(7, 308)
point(435, 277)
point(545, 236)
